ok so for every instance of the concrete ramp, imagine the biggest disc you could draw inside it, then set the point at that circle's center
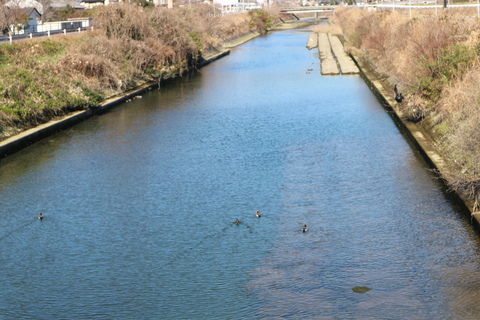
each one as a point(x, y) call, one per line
point(334, 59)
point(347, 66)
point(328, 63)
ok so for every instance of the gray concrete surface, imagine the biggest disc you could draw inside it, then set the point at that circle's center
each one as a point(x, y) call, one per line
point(347, 66)
point(312, 41)
point(328, 62)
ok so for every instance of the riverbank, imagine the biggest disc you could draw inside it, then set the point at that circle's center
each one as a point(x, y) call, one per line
point(30, 136)
point(414, 130)
point(435, 69)
point(25, 138)
point(44, 79)
point(420, 138)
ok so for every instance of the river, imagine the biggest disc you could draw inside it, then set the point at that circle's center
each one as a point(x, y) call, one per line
point(140, 204)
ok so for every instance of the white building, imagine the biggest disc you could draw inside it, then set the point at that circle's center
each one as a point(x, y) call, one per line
point(69, 25)
point(231, 6)
point(33, 20)
point(89, 4)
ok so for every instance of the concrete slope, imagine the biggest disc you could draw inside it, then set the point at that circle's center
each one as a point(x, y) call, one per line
point(347, 66)
point(329, 65)
point(312, 41)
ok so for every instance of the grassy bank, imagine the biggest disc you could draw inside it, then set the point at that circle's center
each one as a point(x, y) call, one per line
point(131, 45)
point(435, 62)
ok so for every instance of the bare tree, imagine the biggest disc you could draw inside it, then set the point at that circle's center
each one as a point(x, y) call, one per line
point(12, 17)
point(47, 13)
point(3, 17)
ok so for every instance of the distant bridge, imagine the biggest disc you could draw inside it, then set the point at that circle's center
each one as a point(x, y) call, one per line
point(328, 9)
point(320, 11)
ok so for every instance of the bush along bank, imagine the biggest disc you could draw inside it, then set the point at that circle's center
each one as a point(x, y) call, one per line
point(435, 64)
point(131, 45)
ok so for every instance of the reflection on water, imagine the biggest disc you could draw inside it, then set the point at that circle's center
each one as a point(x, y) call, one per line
point(140, 206)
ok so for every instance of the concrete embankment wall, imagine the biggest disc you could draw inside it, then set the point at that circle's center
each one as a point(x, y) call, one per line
point(420, 139)
point(312, 41)
point(240, 40)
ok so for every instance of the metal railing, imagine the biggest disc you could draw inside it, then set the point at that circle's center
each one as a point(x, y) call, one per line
point(17, 37)
point(49, 29)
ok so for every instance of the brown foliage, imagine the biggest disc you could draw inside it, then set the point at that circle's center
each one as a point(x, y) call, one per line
point(232, 26)
point(162, 36)
point(12, 19)
point(458, 110)
point(92, 66)
point(399, 46)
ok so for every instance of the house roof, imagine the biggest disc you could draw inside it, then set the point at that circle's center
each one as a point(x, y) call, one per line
point(27, 11)
point(60, 4)
point(30, 11)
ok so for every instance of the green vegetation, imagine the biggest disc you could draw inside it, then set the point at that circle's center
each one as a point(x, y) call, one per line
point(261, 20)
point(451, 63)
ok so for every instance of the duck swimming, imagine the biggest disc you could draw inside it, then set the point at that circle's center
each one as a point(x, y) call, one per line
point(398, 96)
point(237, 222)
point(258, 214)
point(304, 228)
point(40, 216)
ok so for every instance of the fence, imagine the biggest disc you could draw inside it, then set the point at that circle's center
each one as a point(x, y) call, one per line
point(49, 29)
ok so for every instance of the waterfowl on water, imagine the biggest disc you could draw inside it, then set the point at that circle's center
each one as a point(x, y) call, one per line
point(40, 216)
point(237, 222)
point(304, 228)
point(398, 96)
point(258, 214)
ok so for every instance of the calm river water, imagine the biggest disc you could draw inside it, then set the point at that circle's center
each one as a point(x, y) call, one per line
point(139, 206)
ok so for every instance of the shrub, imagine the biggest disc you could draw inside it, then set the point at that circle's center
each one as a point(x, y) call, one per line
point(451, 64)
point(260, 20)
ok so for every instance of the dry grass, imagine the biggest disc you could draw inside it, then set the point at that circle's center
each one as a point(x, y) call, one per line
point(459, 112)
